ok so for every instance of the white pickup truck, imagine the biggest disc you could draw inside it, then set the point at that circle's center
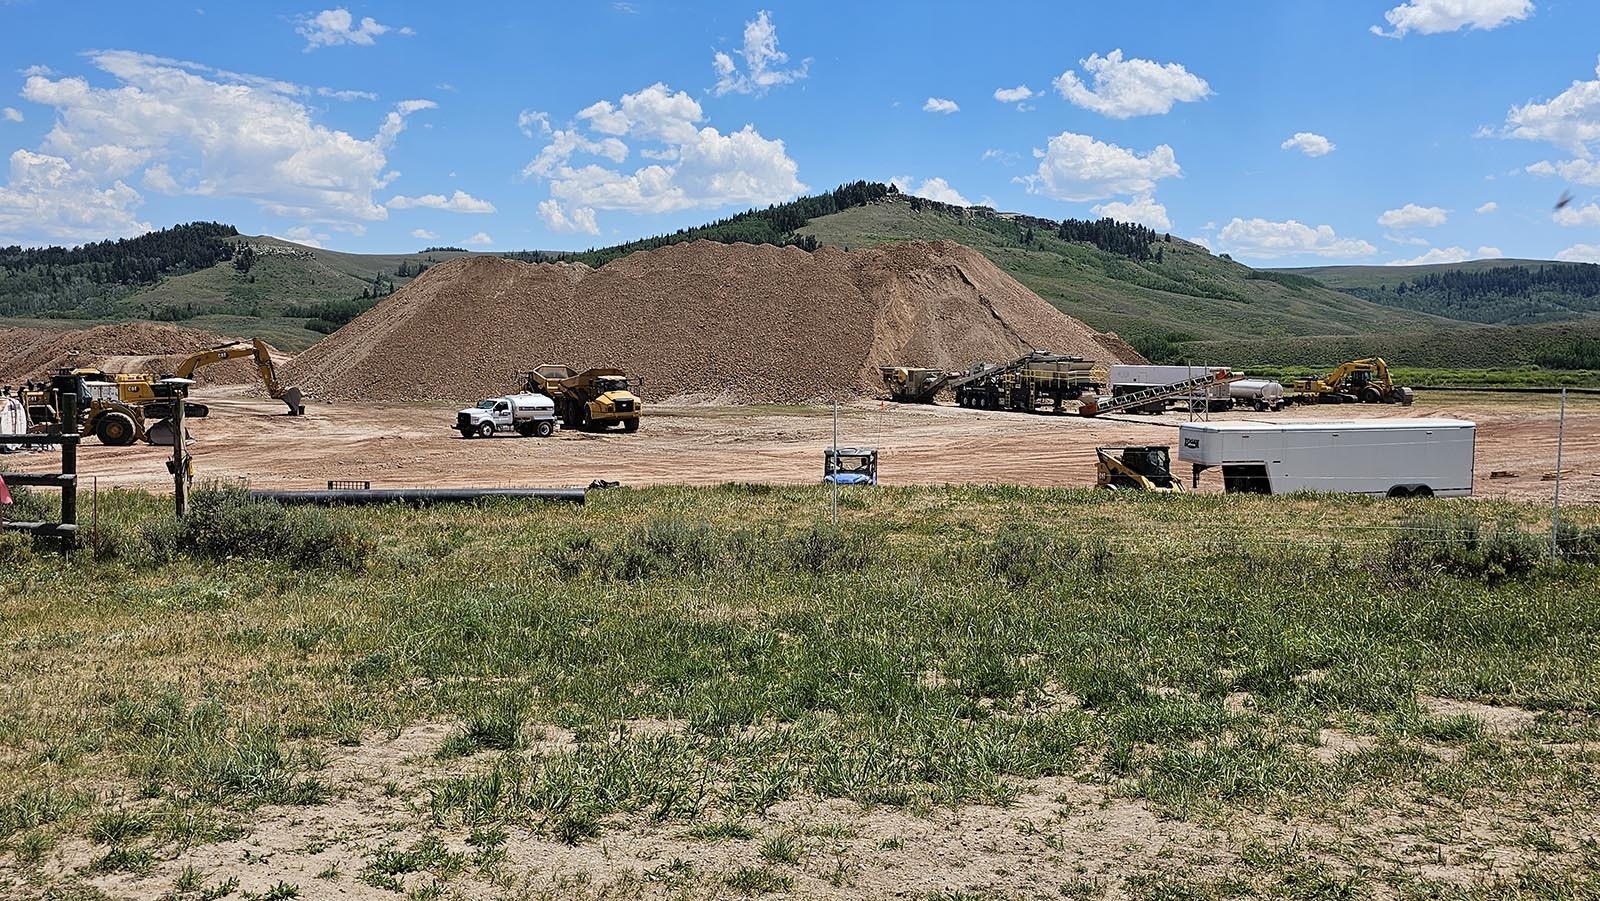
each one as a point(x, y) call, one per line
point(527, 414)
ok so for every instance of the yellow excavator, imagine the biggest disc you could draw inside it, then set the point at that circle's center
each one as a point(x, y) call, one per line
point(123, 408)
point(1363, 381)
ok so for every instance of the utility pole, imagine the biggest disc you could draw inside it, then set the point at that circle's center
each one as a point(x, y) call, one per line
point(180, 447)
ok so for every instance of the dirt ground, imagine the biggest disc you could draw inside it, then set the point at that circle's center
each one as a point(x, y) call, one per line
point(404, 445)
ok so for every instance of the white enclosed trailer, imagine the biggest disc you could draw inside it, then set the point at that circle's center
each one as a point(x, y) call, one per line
point(1382, 457)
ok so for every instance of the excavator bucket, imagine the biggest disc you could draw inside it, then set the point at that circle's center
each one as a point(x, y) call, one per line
point(292, 397)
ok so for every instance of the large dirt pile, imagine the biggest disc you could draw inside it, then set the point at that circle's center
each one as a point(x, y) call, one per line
point(150, 347)
point(741, 323)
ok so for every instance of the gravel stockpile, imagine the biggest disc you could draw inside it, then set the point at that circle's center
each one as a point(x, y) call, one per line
point(736, 323)
point(150, 347)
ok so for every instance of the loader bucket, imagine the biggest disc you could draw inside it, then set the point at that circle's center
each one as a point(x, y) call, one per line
point(160, 433)
point(291, 396)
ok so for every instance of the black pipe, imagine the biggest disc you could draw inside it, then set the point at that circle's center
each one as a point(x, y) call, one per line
point(418, 495)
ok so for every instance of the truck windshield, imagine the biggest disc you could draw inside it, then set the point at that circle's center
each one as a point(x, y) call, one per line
point(486, 405)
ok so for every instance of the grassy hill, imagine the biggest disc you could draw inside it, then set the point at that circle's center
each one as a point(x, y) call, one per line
point(1188, 295)
point(1492, 292)
point(1171, 299)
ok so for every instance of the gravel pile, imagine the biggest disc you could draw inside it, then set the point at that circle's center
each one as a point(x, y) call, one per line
point(150, 347)
point(733, 323)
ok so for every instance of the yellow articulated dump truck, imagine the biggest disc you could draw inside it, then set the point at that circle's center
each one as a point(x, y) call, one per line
point(592, 400)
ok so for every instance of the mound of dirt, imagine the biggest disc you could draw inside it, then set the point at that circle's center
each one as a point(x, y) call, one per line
point(736, 323)
point(150, 347)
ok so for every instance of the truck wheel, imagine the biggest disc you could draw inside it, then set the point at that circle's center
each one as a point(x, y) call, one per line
point(630, 425)
point(486, 430)
point(115, 430)
point(1372, 396)
point(525, 429)
point(467, 433)
point(544, 428)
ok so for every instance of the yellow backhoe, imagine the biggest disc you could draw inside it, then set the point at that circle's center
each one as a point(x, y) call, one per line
point(1358, 381)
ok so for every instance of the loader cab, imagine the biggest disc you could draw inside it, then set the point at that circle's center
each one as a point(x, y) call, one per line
point(850, 466)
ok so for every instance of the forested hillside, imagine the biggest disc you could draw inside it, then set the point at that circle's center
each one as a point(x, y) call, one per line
point(1503, 295)
point(87, 281)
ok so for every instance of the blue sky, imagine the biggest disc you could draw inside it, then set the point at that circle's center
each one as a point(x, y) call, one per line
point(1427, 130)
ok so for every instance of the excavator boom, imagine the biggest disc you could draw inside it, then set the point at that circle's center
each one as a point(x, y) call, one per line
point(257, 350)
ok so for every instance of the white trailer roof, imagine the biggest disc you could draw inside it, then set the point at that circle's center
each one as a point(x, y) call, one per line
point(1321, 425)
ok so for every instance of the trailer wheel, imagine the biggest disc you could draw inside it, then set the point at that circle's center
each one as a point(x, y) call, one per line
point(486, 430)
point(1422, 491)
point(544, 428)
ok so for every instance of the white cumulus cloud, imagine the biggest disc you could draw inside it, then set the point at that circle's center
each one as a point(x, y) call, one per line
point(762, 61)
point(1439, 16)
point(1266, 239)
point(1488, 207)
point(481, 239)
point(940, 105)
point(1013, 95)
point(333, 27)
point(581, 219)
point(1309, 143)
point(423, 234)
point(1143, 210)
point(1123, 88)
point(1435, 255)
point(159, 179)
point(11, 114)
point(1572, 215)
point(932, 189)
point(1077, 168)
point(1414, 216)
point(1486, 252)
point(1580, 253)
point(46, 197)
point(698, 166)
point(223, 136)
point(1582, 172)
point(1570, 120)
point(303, 234)
point(459, 202)
point(528, 121)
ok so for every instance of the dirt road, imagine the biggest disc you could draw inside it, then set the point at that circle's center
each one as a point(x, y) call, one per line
point(397, 445)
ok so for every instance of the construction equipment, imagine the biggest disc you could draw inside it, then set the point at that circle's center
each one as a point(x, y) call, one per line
point(141, 388)
point(591, 400)
point(1039, 379)
point(101, 410)
point(1199, 384)
point(1358, 381)
point(850, 465)
point(1135, 468)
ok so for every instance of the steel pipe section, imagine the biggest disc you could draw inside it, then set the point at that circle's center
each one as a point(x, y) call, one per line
point(419, 496)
